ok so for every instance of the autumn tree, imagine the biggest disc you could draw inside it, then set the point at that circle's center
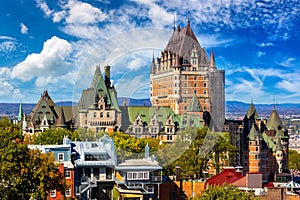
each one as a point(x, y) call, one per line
point(25, 174)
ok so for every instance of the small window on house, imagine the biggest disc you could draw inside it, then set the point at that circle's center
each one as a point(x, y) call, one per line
point(108, 114)
point(204, 92)
point(52, 193)
point(185, 84)
point(101, 114)
point(185, 91)
point(185, 77)
point(60, 156)
point(68, 192)
point(204, 84)
point(95, 114)
point(195, 84)
point(67, 174)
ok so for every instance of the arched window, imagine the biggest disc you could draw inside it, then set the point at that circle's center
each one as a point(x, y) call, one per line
point(108, 114)
point(101, 114)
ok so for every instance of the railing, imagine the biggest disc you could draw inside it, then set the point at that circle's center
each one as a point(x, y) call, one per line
point(147, 189)
point(156, 178)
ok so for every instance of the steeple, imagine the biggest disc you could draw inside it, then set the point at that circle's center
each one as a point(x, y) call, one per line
point(97, 74)
point(20, 115)
point(212, 65)
point(253, 133)
point(153, 65)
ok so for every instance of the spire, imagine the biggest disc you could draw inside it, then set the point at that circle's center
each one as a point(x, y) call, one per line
point(212, 61)
point(174, 28)
point(96, 77)
point(153, 65)
point(20, 115)
point(189, 20)
point(252, 113)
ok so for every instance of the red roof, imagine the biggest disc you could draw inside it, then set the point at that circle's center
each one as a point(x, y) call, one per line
point(228, 176)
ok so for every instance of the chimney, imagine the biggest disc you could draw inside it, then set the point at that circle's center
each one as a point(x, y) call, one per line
point(147, 151)
point(178, 173)
point(107, 75)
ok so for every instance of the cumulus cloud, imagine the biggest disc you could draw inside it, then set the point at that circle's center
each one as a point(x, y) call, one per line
point(24, 29)
point(50, 63)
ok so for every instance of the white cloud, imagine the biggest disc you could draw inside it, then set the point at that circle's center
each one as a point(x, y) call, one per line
point(7, 47)
point(260, 54)
point(49, 64)
point(83, 13)
point(267, 44)
point(24, 29)
point(3, 37)
point(44, 7)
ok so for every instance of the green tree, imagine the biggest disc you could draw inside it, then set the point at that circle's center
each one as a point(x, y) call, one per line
point(25, 173)
point(223, 193)
point(294, 160)
point(53, 136)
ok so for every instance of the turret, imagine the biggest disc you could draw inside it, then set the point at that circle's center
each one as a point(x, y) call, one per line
point(279, 155)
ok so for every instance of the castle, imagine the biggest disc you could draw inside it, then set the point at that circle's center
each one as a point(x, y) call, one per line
point(263, 144)
point(186, 90)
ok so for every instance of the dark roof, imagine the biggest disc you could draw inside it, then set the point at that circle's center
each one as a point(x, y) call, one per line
point(252, 113)
point(61, 122)
point(183, 41)
point(274, 122)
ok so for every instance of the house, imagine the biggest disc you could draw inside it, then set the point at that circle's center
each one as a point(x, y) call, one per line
point(95, 164)
point(62, 155)
point(139, 178)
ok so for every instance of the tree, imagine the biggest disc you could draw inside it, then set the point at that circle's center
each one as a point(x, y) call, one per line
point(294, 160)
point(25, 173)
point(53, 136)
point(222, 193)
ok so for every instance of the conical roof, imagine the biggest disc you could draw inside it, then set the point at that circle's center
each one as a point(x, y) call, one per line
point(252, 113)
point(274, 122)
point(61, 121)
point(20, 115)
point(194, 105)
point(253, 133)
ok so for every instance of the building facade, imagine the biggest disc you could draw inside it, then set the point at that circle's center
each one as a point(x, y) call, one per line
point(183, 76)
point(262, 144)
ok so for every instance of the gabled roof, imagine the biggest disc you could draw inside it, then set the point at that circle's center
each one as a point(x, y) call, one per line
point(229, 175)
point(274, 122)
point(194, 105)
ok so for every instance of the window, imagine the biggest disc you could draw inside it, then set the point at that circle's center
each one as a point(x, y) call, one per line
point(195, 77)
point(137, 175)
point(52, 193)
point(101, 114)
point(67, 174)
point(68, 192)
point(185, 84)
point(94, 157)
point(185, 91)
point(185, 77)
point(195, 84)
point(95, 114)
point(169, 137)
point(60, 157)
point(204, 100)
point(204, 92)
point(108, 114)
point(204, 84)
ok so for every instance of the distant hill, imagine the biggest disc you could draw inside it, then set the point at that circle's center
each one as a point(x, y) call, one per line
point(232, 107)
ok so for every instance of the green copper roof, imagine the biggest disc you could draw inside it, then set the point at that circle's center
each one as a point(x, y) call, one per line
point(269, 142)
point(194, 104)
point(274, 122)
point(253, 133)
point(20, 112)
point(252, 112)
point(114, 100)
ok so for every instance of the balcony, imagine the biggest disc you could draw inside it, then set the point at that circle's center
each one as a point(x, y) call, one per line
point(156, 179)
point(147, 189)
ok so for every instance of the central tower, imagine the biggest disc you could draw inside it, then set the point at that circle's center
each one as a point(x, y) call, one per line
point(184, 79)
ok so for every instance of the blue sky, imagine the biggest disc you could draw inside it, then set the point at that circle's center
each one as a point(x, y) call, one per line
point(56, 45)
